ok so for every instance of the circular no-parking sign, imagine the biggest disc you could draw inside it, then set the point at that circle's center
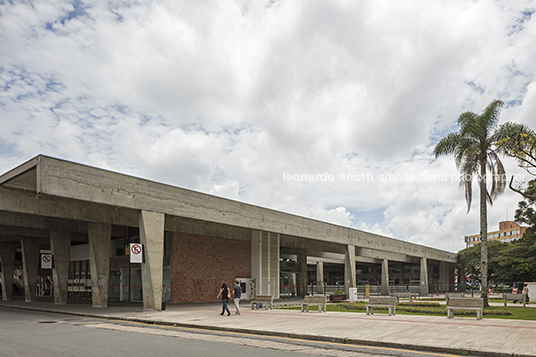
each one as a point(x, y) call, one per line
point(136, 249)
point(46, 261)
point(136, 253)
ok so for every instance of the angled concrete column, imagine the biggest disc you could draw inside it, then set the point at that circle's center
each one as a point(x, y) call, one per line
point(349, 269)
point(7, 258)
point(320, 277)
point(403, 275)
point(443, 277)
point(60, 244)
point(385, 277)
point(461, 279)
point(99, 235)
point(423, 290)
point(304, 278)
point(152, 238)
point(30, 266)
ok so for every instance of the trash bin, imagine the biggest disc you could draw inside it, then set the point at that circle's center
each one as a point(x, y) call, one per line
point(260, 305)
point(353, 294)
point(163, 305)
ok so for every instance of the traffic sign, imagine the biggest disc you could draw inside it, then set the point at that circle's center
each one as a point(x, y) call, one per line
point(46, 261)
point(136, 253)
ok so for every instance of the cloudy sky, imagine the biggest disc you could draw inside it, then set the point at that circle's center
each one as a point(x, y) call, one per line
point(325, 109)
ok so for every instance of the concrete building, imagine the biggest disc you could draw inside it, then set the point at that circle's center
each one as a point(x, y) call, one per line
point(508, 231)
point(85, 219)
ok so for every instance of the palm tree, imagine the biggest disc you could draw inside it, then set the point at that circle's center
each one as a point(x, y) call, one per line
point(474, 150)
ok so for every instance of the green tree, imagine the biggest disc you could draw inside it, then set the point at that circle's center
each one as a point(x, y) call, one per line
point(468, 261)
point(508, 262)
point(519, 142)
point(475, 153)
point(516, 262)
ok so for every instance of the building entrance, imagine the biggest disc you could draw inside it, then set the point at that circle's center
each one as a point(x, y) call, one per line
point(289, 284)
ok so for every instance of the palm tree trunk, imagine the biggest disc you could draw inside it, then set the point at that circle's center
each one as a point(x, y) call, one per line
point(483, 234)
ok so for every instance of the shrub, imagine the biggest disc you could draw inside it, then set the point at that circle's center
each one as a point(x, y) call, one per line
point(419, 303)
point(426, 308)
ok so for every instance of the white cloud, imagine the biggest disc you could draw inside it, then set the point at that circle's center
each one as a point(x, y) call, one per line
point(227, 97)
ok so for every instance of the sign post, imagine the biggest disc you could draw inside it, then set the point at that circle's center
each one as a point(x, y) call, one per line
point(46, 261)
point(136, 253)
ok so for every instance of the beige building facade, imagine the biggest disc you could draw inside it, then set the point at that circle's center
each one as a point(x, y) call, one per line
point(85, 219)
point(508, 232)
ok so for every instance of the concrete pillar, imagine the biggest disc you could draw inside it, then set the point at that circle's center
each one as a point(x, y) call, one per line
point(60, 244)
point(7, 258)
point(320, 277)
point(443, 277)
point(461, 279)
point(349, 269)
point(385, 278)
point(256, 260)
point(30, 266)
point(423, 289)
point(304, 278)
point(402, 275)
point(99, 235)
point(276, 254)
point(152, 238)
point(265, 263)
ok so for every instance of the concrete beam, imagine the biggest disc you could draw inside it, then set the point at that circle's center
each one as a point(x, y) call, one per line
point(19, 201)
point(311, 245)
point(79, 182)
point(18, 232)
point(339, 258)
point(207, 229)
point(313, 260)
point(40, 223)
point(381, 255)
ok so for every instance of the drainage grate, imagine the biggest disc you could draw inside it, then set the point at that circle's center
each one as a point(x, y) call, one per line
point(47, 322)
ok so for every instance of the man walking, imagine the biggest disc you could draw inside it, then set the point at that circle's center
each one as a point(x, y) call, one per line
point(237, 294)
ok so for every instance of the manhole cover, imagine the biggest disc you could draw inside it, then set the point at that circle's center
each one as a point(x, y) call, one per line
point(47, 322)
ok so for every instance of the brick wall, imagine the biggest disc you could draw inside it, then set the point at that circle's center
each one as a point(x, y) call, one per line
point(199, 265)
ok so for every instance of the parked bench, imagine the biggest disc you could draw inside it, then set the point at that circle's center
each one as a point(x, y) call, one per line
point(382, 301)
point(265, 300)
point(514, 298)
point(319, 300)
point(465, 304)
point(403, 295)
point(453, 295)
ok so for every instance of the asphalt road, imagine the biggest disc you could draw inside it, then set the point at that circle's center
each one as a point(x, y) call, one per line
point(41, 334)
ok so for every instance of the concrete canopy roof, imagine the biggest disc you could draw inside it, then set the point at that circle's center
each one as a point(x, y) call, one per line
point(50, 187)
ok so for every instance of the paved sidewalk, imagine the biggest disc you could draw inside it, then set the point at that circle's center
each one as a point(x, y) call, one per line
point(486, 337)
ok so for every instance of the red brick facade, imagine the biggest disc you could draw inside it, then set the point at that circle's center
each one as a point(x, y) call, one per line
point(199, 265)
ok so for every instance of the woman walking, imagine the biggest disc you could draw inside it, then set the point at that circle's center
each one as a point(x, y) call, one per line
point(224, 292)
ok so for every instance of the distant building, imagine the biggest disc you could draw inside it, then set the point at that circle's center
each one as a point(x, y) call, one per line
point(508, 231)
